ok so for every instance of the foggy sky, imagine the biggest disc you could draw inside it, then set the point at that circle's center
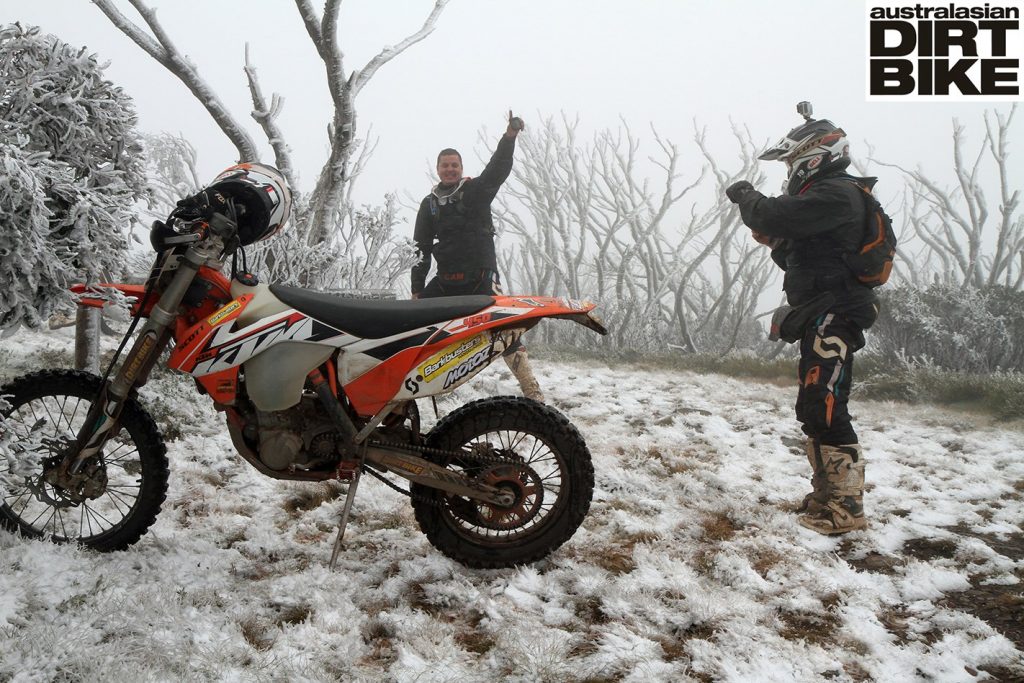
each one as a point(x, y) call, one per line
point(651, 62)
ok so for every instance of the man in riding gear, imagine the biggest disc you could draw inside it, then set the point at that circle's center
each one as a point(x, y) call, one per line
point(455, 227)
point(819, 218)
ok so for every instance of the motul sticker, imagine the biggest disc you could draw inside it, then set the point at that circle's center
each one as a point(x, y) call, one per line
point(223, 313)
point(451, 356)
point(462, 371)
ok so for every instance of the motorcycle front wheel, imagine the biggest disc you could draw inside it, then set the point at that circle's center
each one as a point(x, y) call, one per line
point(118, 495)
point(524, 447)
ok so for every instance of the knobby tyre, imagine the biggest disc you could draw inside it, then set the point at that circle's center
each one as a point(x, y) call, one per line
point(537, 454)
point(128, 483)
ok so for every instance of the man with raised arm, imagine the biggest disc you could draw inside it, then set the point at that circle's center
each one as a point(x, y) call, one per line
point(454, 226)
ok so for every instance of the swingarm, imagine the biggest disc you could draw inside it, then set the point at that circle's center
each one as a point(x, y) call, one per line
point(420, 471)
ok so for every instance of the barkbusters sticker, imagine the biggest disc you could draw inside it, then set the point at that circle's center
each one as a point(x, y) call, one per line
point(223, 313)
point(963, 51)
point(437, 365)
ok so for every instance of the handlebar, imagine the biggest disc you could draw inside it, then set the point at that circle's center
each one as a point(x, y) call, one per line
point(194, 220)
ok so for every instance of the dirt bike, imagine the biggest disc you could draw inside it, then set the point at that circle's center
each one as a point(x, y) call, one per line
point(314, 387)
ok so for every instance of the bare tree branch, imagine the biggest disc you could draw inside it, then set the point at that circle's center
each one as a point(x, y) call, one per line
point(266, 116)
point(164, 51)
point(342, 130)
point(955, 227)
point(359, 78)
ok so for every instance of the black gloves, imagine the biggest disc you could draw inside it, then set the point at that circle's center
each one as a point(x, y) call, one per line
point(736, 191)
point(201, 206)
point(194, 207)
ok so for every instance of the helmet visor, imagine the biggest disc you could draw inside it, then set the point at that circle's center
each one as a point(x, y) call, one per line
point(778, 151)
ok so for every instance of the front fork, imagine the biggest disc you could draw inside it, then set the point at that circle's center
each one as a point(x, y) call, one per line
point(105, 412)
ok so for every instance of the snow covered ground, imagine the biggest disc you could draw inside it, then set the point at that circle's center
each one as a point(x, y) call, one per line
point(689, 566)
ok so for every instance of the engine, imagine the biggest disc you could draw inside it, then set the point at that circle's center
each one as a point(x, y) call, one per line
point(301, 436)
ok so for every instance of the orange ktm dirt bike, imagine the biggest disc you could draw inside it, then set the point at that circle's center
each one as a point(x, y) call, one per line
point(314, 388)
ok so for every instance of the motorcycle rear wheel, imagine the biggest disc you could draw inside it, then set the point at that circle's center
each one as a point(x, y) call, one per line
point(128, 482)
point(552, 478)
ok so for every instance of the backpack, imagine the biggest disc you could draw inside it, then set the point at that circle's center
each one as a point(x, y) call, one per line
point(872, 262)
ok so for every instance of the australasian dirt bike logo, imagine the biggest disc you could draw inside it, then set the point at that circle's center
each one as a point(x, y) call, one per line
point(928, 51)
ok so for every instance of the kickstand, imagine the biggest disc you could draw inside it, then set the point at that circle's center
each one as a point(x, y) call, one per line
point(349, 497)
point(338, 542)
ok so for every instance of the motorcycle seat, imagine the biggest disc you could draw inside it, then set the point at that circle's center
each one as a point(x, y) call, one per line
point(374, 318)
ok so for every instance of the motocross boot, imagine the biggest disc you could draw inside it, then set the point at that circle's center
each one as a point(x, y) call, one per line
point(844, 510)
point(817, 499)
point(521, 370)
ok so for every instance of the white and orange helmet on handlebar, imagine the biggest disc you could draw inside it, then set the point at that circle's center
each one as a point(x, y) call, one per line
point(261, 197)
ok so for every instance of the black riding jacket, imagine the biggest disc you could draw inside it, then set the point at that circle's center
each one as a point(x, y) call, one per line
point(454, 224)
point(825, 220)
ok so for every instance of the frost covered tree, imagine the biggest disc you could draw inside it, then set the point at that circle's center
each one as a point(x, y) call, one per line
point(171, 162)
point(324, 221)
point(968, 241)
point(35, 273)
point(593, 224)
point(71, 173)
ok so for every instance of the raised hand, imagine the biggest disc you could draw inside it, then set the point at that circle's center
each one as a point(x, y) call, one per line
point(515, 124)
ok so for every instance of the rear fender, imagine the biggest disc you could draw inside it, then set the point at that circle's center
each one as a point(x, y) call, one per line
point(524, 311)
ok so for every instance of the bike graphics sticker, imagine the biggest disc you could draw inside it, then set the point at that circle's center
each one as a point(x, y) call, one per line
point(464, 369)
point(451, 356)
point(223, 313)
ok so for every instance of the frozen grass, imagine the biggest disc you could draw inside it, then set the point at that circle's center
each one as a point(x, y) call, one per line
point(998, 394)
point(690, 565)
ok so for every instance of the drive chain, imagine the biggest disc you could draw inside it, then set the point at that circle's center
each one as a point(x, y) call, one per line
point(429, 450)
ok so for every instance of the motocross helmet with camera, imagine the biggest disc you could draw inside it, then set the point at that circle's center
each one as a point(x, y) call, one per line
point(261, 199)
point(810, 149)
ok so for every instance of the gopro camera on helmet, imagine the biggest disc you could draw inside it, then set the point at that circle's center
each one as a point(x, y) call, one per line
point(813, 147)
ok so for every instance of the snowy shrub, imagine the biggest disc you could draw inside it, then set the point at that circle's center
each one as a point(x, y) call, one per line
point(956, 328)
point(72, 172)
point(170, 171)
point(36, 276)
